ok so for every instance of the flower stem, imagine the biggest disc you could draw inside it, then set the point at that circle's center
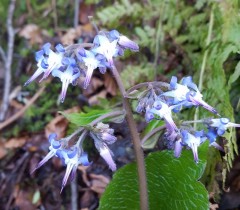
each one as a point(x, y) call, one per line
point(192, 121)
point(136, 143)
point(146, 84)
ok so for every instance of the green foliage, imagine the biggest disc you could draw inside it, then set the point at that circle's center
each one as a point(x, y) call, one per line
point(46, 14)
point(172, 183)
point(83, 119)
point(139, 73)
point(112, 14)
point(184, 27)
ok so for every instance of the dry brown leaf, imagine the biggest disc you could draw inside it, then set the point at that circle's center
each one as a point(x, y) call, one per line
point(15, 142)
point(110, 84)
point(71, 34)
point(68, 38)
point(87, 28)
point(93, 87)
point(98, 183)
point(3, 150)
point(213, 206)
point(23, 199)
point(59, 124)
point(87, 199)
point(84, 174)
point(33, 33)
point(94, 99)
point(96, 83)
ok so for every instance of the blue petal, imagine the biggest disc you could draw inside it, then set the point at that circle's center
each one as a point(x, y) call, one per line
point(84, 159)
point(220, 131)
point(60, 48)
point(44, 63)
point(56, 144)
point(39, 55)
point(82, 52)
point(71, 153)
point(114, 34)
point(149, 116)
point(51, 137)
point(46, 48)
point(173, 83)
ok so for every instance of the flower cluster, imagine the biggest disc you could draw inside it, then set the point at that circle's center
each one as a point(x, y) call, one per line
point(162, 104)
point(74, 155)
point(71, 157)
point(69, 63)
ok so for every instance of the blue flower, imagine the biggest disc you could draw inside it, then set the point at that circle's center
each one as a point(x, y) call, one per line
point(105, 47)
point(70, 75)
point(71, 159)
point(47, 61)
point(192, 141)
point(91, 61)
point(103, 136)
point(123, 41)
point(163, 111)
point(55, 145)
point(222, 124)
point(186, 94)
point(112, 44)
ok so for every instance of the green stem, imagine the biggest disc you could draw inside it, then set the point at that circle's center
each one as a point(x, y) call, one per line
point(203, 67)
point(145, 138)
point(193, 121)
point(159, 39)
point(136, 143)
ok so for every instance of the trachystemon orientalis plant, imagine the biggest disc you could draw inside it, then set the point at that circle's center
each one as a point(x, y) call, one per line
point(157, 100)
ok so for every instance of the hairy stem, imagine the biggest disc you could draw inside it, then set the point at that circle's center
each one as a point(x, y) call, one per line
point(74, 193)
point(146, 84)
point(136, 143)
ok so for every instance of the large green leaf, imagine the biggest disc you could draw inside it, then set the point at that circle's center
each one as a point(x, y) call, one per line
point(172, 183)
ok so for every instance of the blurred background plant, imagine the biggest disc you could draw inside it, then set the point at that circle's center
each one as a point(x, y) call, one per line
point(186, 37)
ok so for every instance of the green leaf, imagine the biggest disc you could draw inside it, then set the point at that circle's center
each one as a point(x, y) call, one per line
point(172, 183)
point(151, 142)
point(82, 119)
point(235, 75)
